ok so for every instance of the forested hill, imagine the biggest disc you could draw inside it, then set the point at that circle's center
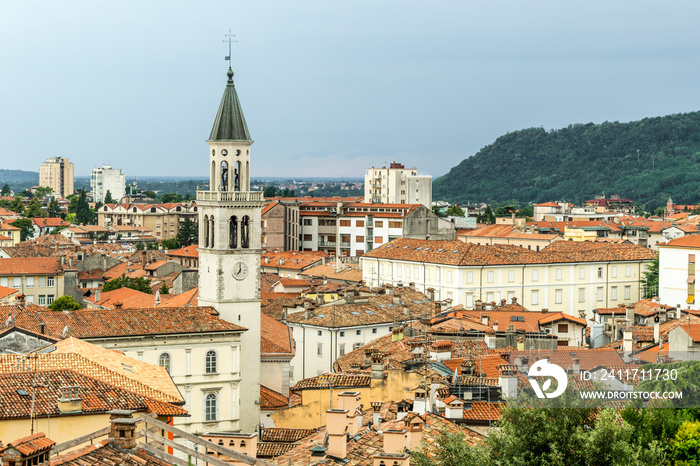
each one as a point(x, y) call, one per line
point(578, 162)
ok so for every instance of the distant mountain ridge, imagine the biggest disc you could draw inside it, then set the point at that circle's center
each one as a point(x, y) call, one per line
point(582, 160)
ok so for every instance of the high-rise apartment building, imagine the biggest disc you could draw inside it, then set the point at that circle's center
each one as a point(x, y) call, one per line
point(106, 178)
point(398, 185)
point(57, 174)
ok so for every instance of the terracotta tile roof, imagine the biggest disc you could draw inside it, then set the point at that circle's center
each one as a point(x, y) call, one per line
point(275, 337)
point(349, 272)
point(48, 222)
point(95, 274)
point(270, 399)
point(484, 411)
point(31, 265)
point(129, 298)
point(155, 265)
point(652, 353)
point(268, 206)
point(340, 380)
point(293, 282)
point(30, 444)
point(103, 323)
point(291, 260)
point(458, 326)
point(459, 253)
point(272, 450)
point(97, 396)
point(135, 270)
point(188, 298)
point(641, 333)
point(94, 229)
point(589, 358)
point(274, 304)
point(693, 330)
point(7, 227)
point(556, 317)
point(104, 453)
point(267, 281)
point(272, 434)
point(367, 310)
point(5, 292)
point(268, 297)
point(547, 204)
point(688, 241)
point(187, 251)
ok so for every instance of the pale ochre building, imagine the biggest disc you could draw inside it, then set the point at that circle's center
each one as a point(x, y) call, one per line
point(571, 277)
point(230, 248)
point(57, 173)
point(398, 185)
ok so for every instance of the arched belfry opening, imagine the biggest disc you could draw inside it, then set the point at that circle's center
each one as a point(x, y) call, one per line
point(224, 176)
point(245, 229)
point(205, 233)
point(233, 232)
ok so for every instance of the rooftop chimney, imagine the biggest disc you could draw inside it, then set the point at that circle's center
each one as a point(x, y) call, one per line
point(508, 380)
point(122, 430)
point(70, 401)
point(336, 428)
point(395, 441)
point(351, 402)
point(576, 365)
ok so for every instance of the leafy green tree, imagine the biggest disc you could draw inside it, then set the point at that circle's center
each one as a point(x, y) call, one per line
point(138, 283)
point(71, 218)
point(188, 233)
point(170, 197)
point(73, 203)
point(26, 193)
point(65, 303)
point(438, 211)
point(34, 209)
point(151, 194)
point(5, 190)
point(270, 191)
point(42, 191)
point(685, 446)
point(455, 211)
point(26, 226)
point(16, 205)
point(83, 213)
point(650, 282)
point(140, 246)
point(108, 197)
point(170, 243)
point(487, 217)
point(54, 209)
point(164, 289)
point(452, 450)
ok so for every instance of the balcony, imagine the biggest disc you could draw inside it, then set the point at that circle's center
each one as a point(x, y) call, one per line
point(230, 196)
point(326, 244)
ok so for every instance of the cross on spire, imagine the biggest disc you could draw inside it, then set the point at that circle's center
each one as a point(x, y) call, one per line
point(230, 41)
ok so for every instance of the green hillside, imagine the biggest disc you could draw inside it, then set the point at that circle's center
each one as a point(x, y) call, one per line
point(578, 162)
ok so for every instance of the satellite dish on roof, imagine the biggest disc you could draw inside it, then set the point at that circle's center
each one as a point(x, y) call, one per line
point(66, 331)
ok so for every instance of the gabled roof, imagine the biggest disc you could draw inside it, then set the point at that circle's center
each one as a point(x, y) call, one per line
point(556, 317)
point(47, 222)
point(128, 297)
point(275, 337)
point(687, 241)
point(230, 124)
point(270, 399)
point(30, 265)
point(6, 292)
point(187, 251)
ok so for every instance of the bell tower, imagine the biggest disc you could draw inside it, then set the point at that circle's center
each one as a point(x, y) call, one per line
point(230, 244)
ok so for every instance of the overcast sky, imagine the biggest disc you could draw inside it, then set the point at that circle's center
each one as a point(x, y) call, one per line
point(329, 88)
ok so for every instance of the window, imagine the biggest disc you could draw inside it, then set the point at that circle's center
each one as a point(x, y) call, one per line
point(449, 276)
point(511, 295)
point(379, 223)
point(469, 300)
point(374, 330)
point(613, 293)
point(408, 271)
point(470, 277)
point(359, 223)
point(511, 276)
point(164, 361)
point(381, 268)
point(398, 271)
point(563, 328)
point(308, 237)
point(378, 239)
point(489, 297)
point(581, 273)
point(3, 281)
point(628, 271)
point(344, 238)
point(358, 332)
point(628, 292)
point(30, 282)
point(534, 297)
point(558, 272)
point(357, 345)
point(307, 222)
point(394, 224)
point(342, 334)
point(360, 239)
point(345, 223)
point(319, 349)
point(581, 295)
point(210, 407)
point(600, 272)
point(427, 274)
point(599, 293)
point(49, 299)
point(210, 362)
point(17, 282)
point(535, 275)
point(558, 296)
point(50, 281)
point(341, 350)
point(489, 276)
point(613, 271)
point(42, 300)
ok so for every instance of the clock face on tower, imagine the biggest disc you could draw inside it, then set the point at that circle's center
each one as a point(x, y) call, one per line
point(240, 271)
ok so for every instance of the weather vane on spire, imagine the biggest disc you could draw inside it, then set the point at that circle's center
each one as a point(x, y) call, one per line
point(230, 41)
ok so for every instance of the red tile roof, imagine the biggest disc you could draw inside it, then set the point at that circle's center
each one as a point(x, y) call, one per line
point(693, 330)
point(128, 297)
point(483, 411)
point(270, 399)
point(275, 337)
point(31, 265)
point(687, 241)
point(187, 251)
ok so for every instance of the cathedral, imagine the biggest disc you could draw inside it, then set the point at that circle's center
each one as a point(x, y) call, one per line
point(230, 248)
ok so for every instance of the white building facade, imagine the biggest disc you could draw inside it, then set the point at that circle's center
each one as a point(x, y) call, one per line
point(677, 271)
point(398, 185)
point(106, 178)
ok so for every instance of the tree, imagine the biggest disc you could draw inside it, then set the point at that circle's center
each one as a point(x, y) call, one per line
point(170, 197)
point(139, 246)
point(455, 211)
point(108, 197)
point(138, 283)
point(54, 209)
point(26, 226)
point(5, 190)
point(71, 218)
point(151, 194)
point(685, 446)
point(65, 303)
point(16, 205)
point(270, 191)
point(164, 289)
point(170, 243)
point(487, 217)
point(83, 213)
point(34, 209)
point(650, 282)
point(188, 233)
point(42, 191)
